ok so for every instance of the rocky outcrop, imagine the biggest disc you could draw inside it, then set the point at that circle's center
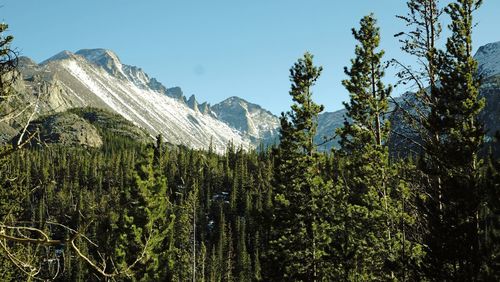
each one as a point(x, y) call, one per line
point(86, 127)
point(66, 129)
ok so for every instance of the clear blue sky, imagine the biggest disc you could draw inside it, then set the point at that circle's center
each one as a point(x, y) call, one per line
point(219, 48)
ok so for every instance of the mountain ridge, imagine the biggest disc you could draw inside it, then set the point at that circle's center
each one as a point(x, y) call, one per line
point(97, 78)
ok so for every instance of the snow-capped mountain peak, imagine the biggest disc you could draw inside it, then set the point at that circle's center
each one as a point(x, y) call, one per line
point(97, 78)
point(110, 62)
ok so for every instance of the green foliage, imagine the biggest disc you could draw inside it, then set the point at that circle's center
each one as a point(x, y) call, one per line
point(452, 160)
point(8, 63)
point(368, 103)
point(490, 222)
point(301, 206)
point(154, 212)
point(371, 195)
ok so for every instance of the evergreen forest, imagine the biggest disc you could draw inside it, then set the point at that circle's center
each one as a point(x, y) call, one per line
point(367, 210)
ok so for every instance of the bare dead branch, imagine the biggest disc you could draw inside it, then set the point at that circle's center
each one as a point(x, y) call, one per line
point(40, 241)
point(102, 269)
point(21, 265)
point(29, 121)
point(46, 241)
point(19, 146)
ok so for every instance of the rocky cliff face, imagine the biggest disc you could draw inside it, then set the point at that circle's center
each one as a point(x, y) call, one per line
point(260, 125)
point(67, 129)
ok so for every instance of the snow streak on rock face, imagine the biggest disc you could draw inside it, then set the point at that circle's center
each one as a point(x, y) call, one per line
point(126, 90)
point(488, 57)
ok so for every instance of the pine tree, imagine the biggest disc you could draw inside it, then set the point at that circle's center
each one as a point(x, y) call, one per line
point(417, 131)
point(160, 220)
point(185, 236)
point(243, 265)
point(8, 66)
point(301, 200)
point(454, 210)
point(423, 19)
point(257, 270)
point(420, 42)
point(145, 221)
point(370, 244)
point(8, 63)
point(369, 96)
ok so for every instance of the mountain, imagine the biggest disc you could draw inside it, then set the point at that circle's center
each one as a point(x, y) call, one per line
point(328, 122)
point(64, 128)
point(491, 113)
point(488, 57)
point(261, 126)
point(256, 123)
point(97, 78)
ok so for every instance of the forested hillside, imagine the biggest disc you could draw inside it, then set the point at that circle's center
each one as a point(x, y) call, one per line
point(86, 196)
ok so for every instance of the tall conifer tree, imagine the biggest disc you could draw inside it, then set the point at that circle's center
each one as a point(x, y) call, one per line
point(454, 211)
point(372, 194)
point(301, 201)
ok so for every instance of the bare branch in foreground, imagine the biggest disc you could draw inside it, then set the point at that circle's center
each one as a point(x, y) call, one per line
point(39, 237)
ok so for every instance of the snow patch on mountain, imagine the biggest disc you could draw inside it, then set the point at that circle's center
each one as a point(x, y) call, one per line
point(98, 78)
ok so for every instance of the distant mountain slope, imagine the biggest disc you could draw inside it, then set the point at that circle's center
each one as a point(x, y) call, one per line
point(250, 119)
point(488, 57)
point(328, 122)
point(491, 113)
point(262, 126)
point(63, 128)
point(97, 78)
point(108, 123)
